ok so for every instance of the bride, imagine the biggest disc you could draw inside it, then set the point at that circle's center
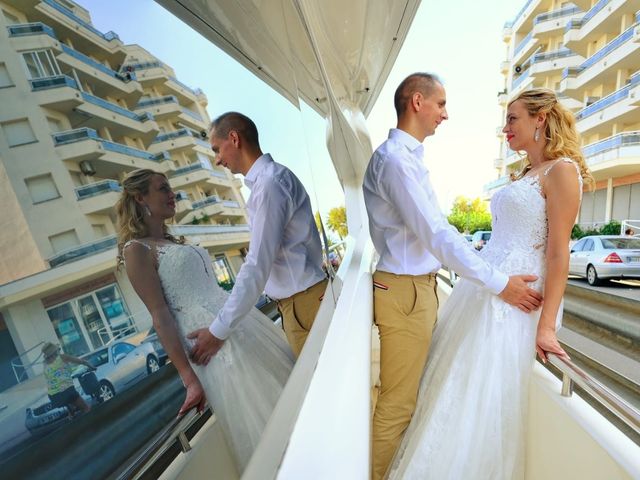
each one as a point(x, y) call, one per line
point(471, 412)
point(177, 284)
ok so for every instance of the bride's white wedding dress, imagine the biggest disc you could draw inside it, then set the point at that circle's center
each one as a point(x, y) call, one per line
point(471, 413)
point(243, 381)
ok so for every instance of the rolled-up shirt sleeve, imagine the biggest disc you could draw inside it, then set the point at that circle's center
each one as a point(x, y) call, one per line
point(273, 208)
point(426, 221)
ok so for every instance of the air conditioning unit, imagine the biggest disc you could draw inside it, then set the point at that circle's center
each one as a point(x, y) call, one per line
point(517, 69)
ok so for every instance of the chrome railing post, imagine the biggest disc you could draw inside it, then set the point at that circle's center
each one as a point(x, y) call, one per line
point(567, 385)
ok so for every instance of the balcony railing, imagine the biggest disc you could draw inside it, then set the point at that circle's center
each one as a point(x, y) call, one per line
point(36, 28)
point(212, 200)
point(522, 43)
point(46, 83)
point(610, 47)
point(183, 132)
point(544, 56)
point(81, 134)
point(97, 65)
point(571, 72)
point(207, 229)
point(157, 101)
point(593, 10)
point(619, 140)
point(109, 36)
point(563, 12)
point(518, 81)
point(191, 113)
point(130, 67)
point(522, 10)
point(573, 24)
point(143, 117)
point(609, 99)
point(93, 189)
point(84, 250)
point(231, 204)
point(181, 195)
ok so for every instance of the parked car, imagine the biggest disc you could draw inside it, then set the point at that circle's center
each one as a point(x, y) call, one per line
point(120, 365)
point(480, 238)
point(600, 257)
point(153, 340)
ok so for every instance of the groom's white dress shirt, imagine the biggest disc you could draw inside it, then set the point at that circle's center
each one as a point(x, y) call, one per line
point(285, 255)
point(408, 229)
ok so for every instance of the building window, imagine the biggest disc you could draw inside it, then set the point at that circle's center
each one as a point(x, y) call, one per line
point(5, 79)
point(223, 272)
point(63, 241)
point(18, 132)
point(40, 64)
point(90, 321)
point(42, 188)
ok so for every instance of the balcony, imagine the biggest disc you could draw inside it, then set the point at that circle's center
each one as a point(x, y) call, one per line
point(83, 35)
point(156, 73)
point(99, 197)
point(184, 138)
point(108, 159)
point(498, 163)
point(619, 106)
point(618, 155)
point(104, 81)
point(555, 61)
point(32, 36)
point(603, 18)
point(524, 48)
point(520, 83)
point(211, 236)
point(549, 23)
point(83, 251)
point(169, 105)
point(59, 93)
point(183, 205)
point(197, 173)
point(620, 53)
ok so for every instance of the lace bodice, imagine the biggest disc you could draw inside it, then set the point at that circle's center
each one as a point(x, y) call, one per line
point(519, 226)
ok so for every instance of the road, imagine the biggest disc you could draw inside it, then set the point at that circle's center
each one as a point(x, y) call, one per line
point(623, 288)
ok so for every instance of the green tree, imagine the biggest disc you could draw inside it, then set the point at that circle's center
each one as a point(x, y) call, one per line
point(318, 220)
point(469, 215)
point(337, 221)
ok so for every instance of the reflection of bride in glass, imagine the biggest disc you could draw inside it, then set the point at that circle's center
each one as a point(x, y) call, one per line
point(178, 285)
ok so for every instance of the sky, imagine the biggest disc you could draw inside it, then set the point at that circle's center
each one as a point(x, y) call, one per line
point(460, 41)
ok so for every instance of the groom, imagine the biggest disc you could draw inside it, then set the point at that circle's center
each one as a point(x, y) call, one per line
point(413, 238)
point(285, 255)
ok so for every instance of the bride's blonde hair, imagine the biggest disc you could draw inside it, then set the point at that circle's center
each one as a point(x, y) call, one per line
point(563, 139)
point(131, 214)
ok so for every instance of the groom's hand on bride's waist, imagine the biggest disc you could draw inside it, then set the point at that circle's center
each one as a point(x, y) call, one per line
point(206, 346)
point(519, 294)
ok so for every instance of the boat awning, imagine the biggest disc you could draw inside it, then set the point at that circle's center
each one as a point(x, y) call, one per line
point(297, 46)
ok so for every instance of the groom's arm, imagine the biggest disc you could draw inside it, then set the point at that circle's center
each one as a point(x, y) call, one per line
point(424, 218)
point(267, 227)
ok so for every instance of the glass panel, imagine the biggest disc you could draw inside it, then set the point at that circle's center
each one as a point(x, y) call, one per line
point(115, 311)
point(68, 330)
point(93, 322)
point(223, 273)
point(32, 65)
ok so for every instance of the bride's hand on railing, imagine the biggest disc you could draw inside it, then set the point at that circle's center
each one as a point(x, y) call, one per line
point(547, 342)
point(195, 397)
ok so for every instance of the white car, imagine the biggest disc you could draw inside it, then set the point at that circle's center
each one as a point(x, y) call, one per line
point(120, 365)
point(600, 257)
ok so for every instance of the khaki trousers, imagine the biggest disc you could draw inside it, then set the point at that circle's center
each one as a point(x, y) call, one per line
point(405, 310)
point(298, 313)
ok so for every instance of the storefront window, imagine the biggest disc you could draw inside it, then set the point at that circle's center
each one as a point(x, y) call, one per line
point(223, 272)
point(89, 322)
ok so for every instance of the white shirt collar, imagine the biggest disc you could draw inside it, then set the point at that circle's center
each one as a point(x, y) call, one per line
point(408, 140)
point(258, 166)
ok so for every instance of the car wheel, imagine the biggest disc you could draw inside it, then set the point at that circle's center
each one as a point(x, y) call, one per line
point(592, 275)
point(152, 364)
point(105, 391)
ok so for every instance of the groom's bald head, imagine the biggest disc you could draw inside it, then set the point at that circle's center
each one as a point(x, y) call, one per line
point(424, 83)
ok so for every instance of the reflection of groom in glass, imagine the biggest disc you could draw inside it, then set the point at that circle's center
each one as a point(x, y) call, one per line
point(285, 256)
point(413, 237)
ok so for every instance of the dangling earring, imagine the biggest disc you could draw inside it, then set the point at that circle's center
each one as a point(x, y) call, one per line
point(536, 136)
point(147, 211)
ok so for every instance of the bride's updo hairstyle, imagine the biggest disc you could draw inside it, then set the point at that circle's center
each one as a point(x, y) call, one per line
point(563, 140)
point(131, 214)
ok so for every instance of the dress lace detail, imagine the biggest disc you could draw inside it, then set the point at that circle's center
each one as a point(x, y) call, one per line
point(244, 380)
point(469, 421)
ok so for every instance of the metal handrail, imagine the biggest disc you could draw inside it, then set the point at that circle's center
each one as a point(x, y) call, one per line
point(160, 443)
point(572, 374)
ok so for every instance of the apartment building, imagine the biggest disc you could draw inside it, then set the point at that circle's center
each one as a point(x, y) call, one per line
point(79, 110)
point(588, 51)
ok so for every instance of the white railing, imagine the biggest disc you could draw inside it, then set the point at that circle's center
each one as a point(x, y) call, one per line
point(633, 225)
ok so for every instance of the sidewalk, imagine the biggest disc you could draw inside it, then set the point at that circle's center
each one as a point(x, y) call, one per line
point(22, 395)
